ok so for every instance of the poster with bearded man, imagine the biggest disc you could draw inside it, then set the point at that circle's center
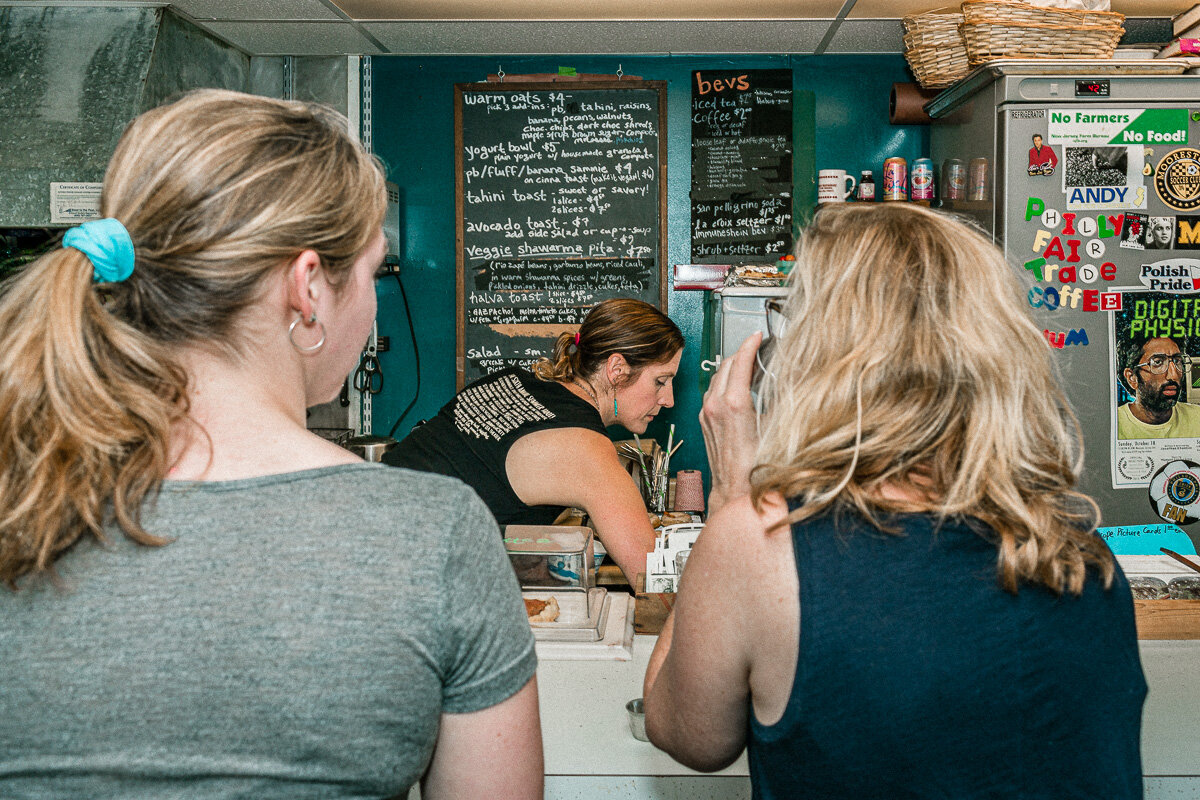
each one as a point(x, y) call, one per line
point(1155, 337)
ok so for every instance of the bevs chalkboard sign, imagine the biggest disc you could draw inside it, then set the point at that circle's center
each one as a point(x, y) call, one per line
point(741, 165)
point(560, 198)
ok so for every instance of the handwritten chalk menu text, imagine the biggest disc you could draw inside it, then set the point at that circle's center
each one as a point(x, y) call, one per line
point(560, 202)
point(741, 165)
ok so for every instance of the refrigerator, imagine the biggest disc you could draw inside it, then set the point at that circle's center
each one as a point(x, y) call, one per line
point(1087, 174)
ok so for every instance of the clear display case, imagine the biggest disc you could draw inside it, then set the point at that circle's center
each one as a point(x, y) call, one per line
point(556, 567)
point(551, 556)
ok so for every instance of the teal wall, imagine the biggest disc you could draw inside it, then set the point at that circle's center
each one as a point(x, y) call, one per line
point(845, 98)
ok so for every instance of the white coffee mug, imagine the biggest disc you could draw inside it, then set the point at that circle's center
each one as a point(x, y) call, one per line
point(832, 186)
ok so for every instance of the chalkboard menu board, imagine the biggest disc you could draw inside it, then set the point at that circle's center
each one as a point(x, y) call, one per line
point(741, 165)
point(560, 200)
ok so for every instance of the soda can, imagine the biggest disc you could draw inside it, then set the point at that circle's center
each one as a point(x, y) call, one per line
point(922, 180)
point(954, 180)
point(895, 179)
point(977, 179)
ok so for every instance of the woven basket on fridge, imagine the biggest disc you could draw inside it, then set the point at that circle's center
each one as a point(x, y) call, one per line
point(934, 48)
point(1008, 29)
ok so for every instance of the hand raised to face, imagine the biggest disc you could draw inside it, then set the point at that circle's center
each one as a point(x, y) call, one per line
point(730, 425)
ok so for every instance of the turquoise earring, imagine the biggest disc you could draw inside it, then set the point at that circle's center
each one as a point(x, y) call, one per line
point(614, 405)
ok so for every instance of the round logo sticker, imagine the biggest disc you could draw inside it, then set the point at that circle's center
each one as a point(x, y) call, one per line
point(1135, 467)
point(1175, 492)
point(1177, 179)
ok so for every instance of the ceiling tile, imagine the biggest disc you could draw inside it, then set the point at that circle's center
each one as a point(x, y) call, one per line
point(289, 10)
point(1151, 8)
point(867, 36)
point(633, 38)
point(589, 9)
point(894, 9)
point(897, 8)
point(294, 38)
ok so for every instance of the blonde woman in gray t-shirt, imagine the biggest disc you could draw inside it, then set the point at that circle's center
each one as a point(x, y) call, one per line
point(207, 600)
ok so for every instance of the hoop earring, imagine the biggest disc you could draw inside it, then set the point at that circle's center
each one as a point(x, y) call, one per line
point(313, 348)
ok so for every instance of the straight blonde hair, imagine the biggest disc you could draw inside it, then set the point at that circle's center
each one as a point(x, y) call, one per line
point(909, 360)
point(218, 190)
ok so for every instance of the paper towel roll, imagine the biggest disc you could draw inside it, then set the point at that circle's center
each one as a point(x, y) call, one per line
point(907, 104)
point(689, 490)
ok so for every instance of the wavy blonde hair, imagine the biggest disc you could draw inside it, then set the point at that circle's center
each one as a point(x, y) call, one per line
point(218, 190)
point(909, 360)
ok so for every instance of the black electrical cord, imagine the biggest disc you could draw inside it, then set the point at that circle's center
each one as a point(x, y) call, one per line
point(416, 356)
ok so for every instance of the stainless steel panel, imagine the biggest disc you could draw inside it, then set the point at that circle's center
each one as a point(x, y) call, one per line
point(186, 57)
point(71, 79)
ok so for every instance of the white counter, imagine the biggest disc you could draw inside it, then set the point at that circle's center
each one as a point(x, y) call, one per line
point(590, 751)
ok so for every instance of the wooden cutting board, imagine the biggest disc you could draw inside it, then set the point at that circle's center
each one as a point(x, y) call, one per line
point(1167, 619)
point(1156, 619)
point(650, 609)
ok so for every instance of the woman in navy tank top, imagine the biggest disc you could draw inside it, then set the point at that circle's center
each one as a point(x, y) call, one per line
point(900, 592)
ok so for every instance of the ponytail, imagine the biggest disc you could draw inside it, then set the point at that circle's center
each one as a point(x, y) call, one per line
point(86, 408)
point(213, 194)
point(563, 364)
point(636, 330)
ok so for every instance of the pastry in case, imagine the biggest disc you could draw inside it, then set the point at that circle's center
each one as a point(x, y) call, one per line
point(569, 615)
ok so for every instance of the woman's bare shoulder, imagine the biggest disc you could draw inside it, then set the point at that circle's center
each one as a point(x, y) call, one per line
point(748, 526)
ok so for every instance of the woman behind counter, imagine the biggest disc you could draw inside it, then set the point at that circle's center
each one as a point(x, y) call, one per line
point(533, 443)
point(213, 601)
point(908, 599)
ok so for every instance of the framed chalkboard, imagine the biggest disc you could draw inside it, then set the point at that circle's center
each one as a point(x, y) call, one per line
point(560, 195)
point(741, 165)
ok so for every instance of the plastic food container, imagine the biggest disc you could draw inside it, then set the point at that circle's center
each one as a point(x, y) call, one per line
point(1184, 587)
point(1148, 588)
point(552, 556)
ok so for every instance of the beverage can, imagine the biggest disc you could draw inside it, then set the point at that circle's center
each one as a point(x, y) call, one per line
point(866, 186)
point(954, 180)
point(977, 179)
point(895, 179)
point(922, 180)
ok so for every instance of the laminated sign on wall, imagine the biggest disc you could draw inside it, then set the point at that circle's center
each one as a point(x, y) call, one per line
point(74, 202)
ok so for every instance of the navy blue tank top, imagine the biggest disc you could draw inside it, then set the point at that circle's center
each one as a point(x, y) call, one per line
point(918, 677)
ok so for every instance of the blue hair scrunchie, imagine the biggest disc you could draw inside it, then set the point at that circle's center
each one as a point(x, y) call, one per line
point(107, 245)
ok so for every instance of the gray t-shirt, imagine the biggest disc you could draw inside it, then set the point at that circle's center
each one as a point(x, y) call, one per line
point(298, 639)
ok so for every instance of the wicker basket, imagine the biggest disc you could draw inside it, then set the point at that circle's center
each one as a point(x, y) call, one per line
point(1007, 29)
point(934, 48)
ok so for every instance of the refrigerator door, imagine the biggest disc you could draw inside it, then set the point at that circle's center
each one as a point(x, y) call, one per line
point(1102, 221)
point(1096, 202)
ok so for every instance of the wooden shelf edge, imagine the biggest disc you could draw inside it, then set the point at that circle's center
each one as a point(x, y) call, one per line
point(1167, 619)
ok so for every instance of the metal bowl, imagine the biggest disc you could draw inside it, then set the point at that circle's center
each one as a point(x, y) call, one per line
point(370, 448)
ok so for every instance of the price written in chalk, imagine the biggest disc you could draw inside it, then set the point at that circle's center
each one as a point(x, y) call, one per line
point(560, 208)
